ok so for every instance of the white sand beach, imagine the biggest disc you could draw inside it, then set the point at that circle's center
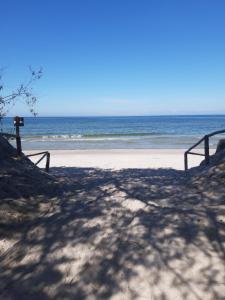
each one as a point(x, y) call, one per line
point(121, 159)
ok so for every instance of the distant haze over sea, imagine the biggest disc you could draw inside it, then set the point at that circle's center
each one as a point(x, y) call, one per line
point(145, 132)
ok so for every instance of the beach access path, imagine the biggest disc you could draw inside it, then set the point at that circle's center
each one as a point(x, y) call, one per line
point(126, 234)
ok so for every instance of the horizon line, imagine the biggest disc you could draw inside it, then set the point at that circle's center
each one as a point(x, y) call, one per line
point(111, 116)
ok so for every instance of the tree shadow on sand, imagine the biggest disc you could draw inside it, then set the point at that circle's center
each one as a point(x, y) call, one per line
point(128, 234)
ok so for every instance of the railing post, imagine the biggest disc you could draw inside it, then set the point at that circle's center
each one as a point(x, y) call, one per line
point(206, 150)
point(186, 161)
point(47, 162)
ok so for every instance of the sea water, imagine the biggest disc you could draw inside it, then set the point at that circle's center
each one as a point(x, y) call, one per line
point(146, 132)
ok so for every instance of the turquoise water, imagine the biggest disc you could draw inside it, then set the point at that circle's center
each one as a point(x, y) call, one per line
point(156, 132)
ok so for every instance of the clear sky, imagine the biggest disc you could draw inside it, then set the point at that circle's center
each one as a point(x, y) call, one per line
point(117, 57)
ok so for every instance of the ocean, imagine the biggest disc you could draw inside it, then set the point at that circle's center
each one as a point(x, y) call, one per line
point(147, 132)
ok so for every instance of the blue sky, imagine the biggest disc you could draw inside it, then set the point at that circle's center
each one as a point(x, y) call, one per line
point(117, 57)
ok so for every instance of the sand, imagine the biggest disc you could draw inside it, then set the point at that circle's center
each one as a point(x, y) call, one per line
point(121, 159)
point(123, 235)
point(155, 234)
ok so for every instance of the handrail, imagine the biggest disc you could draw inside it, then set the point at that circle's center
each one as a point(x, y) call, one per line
point(195, 145)
point(44, 154)
point(205, 139)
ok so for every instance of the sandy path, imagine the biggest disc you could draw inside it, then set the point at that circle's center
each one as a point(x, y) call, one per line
point(130, 234)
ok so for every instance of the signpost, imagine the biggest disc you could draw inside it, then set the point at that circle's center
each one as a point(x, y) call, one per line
point(18, 122)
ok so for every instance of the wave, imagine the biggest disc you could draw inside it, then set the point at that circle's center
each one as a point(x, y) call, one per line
point(88, 137)
point(131, 138)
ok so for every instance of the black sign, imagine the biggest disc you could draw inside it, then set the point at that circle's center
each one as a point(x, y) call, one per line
point(18, 121)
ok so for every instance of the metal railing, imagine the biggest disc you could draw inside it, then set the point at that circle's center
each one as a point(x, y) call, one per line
point(44, 154)
point(205, 139)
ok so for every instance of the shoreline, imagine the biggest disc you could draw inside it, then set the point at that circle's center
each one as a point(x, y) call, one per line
point(118, 159)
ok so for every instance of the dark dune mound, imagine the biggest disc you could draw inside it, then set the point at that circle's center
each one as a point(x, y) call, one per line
point(215, 170)
point(209, 181)
point(19, 177)
point(25, 191)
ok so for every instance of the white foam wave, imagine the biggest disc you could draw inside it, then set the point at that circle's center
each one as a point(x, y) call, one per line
point(70, 138)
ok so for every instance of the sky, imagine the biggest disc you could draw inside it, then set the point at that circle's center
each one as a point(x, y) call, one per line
point(116, 57)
